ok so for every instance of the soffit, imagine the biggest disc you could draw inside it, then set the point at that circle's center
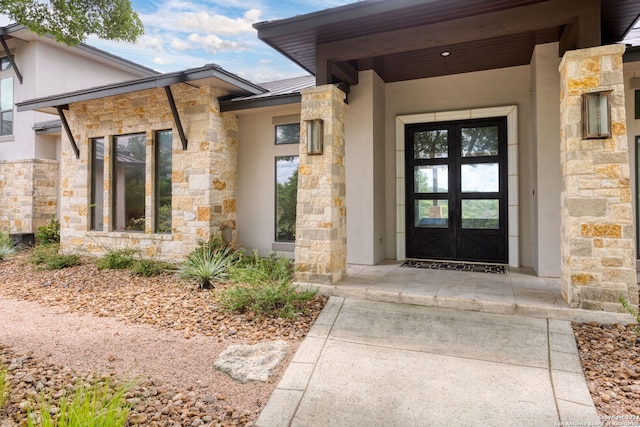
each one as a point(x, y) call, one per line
point(298, 37)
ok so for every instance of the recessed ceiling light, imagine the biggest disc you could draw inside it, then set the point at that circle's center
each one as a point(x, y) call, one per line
point(445, 53)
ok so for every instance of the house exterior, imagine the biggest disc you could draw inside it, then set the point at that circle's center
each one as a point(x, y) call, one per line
point(449, 130)
point(31, 68)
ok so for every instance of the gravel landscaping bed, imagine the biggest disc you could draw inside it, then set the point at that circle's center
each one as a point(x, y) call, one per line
point(165, 333)
point(611, 364)
point(162, 332)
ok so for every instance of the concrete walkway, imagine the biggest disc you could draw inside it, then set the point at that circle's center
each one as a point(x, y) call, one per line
point(372, 363)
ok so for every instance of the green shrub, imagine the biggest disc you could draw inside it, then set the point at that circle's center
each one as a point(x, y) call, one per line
point(116, 259)
point(256, 269)
point(208, 263)
point(62, 261)
point(7, 245)
point(149, 267)
point(4, 386)
point(270, 299)
point(50, 258)
point(93, 405)
point(49, 234)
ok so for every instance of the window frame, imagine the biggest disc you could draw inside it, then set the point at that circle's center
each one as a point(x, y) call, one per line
point(114, 184)
point(282, 126)
point(156, 166)
point(93, 191)
point(11, 110)
point(275, 205)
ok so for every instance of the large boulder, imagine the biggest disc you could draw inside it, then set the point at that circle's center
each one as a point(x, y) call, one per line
point(256, 362)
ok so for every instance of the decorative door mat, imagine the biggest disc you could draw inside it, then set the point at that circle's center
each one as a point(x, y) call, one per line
point(457, 266)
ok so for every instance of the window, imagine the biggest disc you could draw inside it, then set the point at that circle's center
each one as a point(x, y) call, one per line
point(286, 198)
point(163, 142)
point(5, 64)
point(637, 194)
point(288, 133)
point(129, 182)
point(96, 202)
point(637, 103)
point(6, 106)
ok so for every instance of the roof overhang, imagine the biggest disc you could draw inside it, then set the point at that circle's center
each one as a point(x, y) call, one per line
point(404, 39)
point(20, 33)
point(209, 75)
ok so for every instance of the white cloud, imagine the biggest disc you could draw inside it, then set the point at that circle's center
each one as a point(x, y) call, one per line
point(184, 17)
point(162, 61)
point(147, 42)
point(265, 61)
point(213, 44)
point(178, 44)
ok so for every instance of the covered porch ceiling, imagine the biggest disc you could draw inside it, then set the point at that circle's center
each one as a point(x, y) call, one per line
point(405, 39)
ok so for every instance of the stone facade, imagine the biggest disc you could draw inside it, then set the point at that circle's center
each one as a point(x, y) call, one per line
point(597, 234)
point(321, 242)
point(204, 176)
point(28, 194)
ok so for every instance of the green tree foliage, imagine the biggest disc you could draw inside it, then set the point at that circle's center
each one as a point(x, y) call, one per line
point(71, 21)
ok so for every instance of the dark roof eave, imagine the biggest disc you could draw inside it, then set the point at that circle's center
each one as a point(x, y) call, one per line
point(271, 101)
point(332, 15)
point(632, 54)
point(152, 82)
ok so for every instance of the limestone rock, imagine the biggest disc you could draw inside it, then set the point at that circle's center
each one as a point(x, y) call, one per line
point(255, 362)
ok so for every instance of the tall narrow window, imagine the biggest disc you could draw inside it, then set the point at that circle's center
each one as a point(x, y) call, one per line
point(6, 106)
point(97, 184)
point(286, 197)
point(637, 194)
point(129, 182)
point(162, 175)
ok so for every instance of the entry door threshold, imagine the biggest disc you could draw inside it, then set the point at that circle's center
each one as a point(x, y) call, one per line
point(475, 267)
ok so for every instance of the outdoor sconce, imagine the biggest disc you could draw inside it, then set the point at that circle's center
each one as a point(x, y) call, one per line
point(314, 136)
point(596, 115)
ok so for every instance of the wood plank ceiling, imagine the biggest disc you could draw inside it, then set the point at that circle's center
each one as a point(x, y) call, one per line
point(404, 39)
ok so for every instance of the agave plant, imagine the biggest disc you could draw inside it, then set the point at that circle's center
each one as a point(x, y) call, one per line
point(7, 245)
point(208, 264)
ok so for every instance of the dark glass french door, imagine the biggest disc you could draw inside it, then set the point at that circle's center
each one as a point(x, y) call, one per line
point(456, 190)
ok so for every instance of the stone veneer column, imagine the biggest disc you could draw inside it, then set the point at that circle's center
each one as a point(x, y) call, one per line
point(597, 242)
point(28, 194)
point(321, 243)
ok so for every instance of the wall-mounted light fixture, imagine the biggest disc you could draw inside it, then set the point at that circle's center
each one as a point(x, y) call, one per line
point(314, 136)
point(596, 115)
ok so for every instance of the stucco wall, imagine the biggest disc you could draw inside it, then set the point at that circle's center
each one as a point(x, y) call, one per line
point(42, 66)
point(364, 160)
point(510, 86)
point(545, 116)
point(631, 70)
point(256, 175)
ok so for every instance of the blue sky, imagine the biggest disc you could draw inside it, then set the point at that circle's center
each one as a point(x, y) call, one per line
point(186, 34)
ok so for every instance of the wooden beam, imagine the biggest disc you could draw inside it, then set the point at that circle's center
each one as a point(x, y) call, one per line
point(176, 117)
point(538, 16)
point(344, 72)
point(7, 52)
point(589, 29)
point(67, 130)
point(323, 71)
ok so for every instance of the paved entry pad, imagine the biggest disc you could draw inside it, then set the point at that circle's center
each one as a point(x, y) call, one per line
point(375, 363)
